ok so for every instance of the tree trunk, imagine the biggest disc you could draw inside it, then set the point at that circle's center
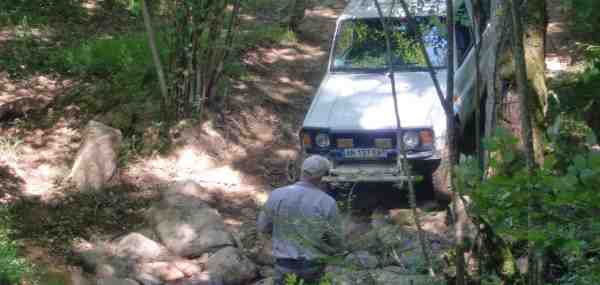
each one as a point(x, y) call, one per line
point(533, 19)
point(526, 127)
point(534, 45)
point(296, 13)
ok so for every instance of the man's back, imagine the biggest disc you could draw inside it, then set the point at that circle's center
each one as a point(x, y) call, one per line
point(301, 215)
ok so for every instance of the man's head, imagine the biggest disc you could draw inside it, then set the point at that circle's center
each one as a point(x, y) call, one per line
point(314, 168)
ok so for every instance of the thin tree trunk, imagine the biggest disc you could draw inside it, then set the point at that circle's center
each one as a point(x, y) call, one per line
point(155, 56)
point(448, 105)
point(522, 85)
point(296, 13)
point(402, 159)
point(228, 42)
point(534, 45)
point(459, 207)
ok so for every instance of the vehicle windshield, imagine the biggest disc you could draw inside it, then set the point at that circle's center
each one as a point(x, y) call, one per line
point(360, 45)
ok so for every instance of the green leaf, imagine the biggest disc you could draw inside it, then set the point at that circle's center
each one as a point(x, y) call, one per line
point(580, 162)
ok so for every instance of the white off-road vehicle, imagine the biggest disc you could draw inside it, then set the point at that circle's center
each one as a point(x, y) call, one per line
point(351, 119)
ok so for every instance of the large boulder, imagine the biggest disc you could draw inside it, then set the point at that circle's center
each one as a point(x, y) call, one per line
point(186, 225)
point(95, 166)
point(229, 264)
point(100, 262)
point(137, 246)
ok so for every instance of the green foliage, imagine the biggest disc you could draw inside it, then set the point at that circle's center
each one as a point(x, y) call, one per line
point(565, 201)
point(585, 17)
point(576, 99)
point(293, 279)
point(126, 56)
point(40, 11)
point(26, 53)
point(12, 267)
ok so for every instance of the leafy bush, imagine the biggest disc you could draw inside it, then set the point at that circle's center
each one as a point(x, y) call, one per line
point(128, 54)
point(584, 14)
point(566, 203)
point(40, 11)
point(12, 267)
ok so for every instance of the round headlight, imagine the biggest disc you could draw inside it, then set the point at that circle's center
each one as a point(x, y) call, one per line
point(322, 140)
point(411, 139)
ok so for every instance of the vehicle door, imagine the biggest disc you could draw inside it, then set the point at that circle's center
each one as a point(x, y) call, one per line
point(464, 59)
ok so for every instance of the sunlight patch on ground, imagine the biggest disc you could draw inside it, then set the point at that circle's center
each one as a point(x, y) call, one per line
point(39, 156)
point(187, 164)
point(33, 93)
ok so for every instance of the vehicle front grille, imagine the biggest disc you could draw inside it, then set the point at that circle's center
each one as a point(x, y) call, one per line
point(364, 140)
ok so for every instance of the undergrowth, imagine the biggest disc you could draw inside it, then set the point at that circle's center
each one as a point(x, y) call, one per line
point(13, 267)
point(79, 215)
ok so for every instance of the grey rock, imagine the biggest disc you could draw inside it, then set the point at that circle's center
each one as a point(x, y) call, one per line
point(186, 225)
point(362, 259)
point(232, 266)
point(91, 259)
point(137, 246)
point(164, 271)
point(95, 165)
point(203, 278)
point(267, 271)
point(266, 281)
point(147, 279)
point(116, 281)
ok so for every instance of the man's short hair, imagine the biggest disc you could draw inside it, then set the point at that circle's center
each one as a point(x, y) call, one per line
point(315, 166)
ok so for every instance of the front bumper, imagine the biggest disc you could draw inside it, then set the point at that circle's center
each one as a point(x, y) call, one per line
point(368, 173)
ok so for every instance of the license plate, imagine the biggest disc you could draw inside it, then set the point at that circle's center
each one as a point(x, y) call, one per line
point(365, 153)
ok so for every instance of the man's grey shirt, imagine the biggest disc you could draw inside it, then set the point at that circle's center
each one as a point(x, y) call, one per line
point(303, 221)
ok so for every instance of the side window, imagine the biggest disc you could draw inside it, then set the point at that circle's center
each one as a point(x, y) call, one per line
point(464, 33)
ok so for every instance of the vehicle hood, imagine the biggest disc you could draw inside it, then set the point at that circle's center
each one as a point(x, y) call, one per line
point(363, 102)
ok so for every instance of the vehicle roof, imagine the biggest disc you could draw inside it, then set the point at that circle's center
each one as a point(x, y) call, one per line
point(392, 8)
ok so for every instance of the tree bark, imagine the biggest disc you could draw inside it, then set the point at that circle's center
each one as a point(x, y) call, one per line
point(526, 125)
point(534, 45)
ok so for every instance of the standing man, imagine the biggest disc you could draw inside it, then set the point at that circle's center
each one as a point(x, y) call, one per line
point(303, 222)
